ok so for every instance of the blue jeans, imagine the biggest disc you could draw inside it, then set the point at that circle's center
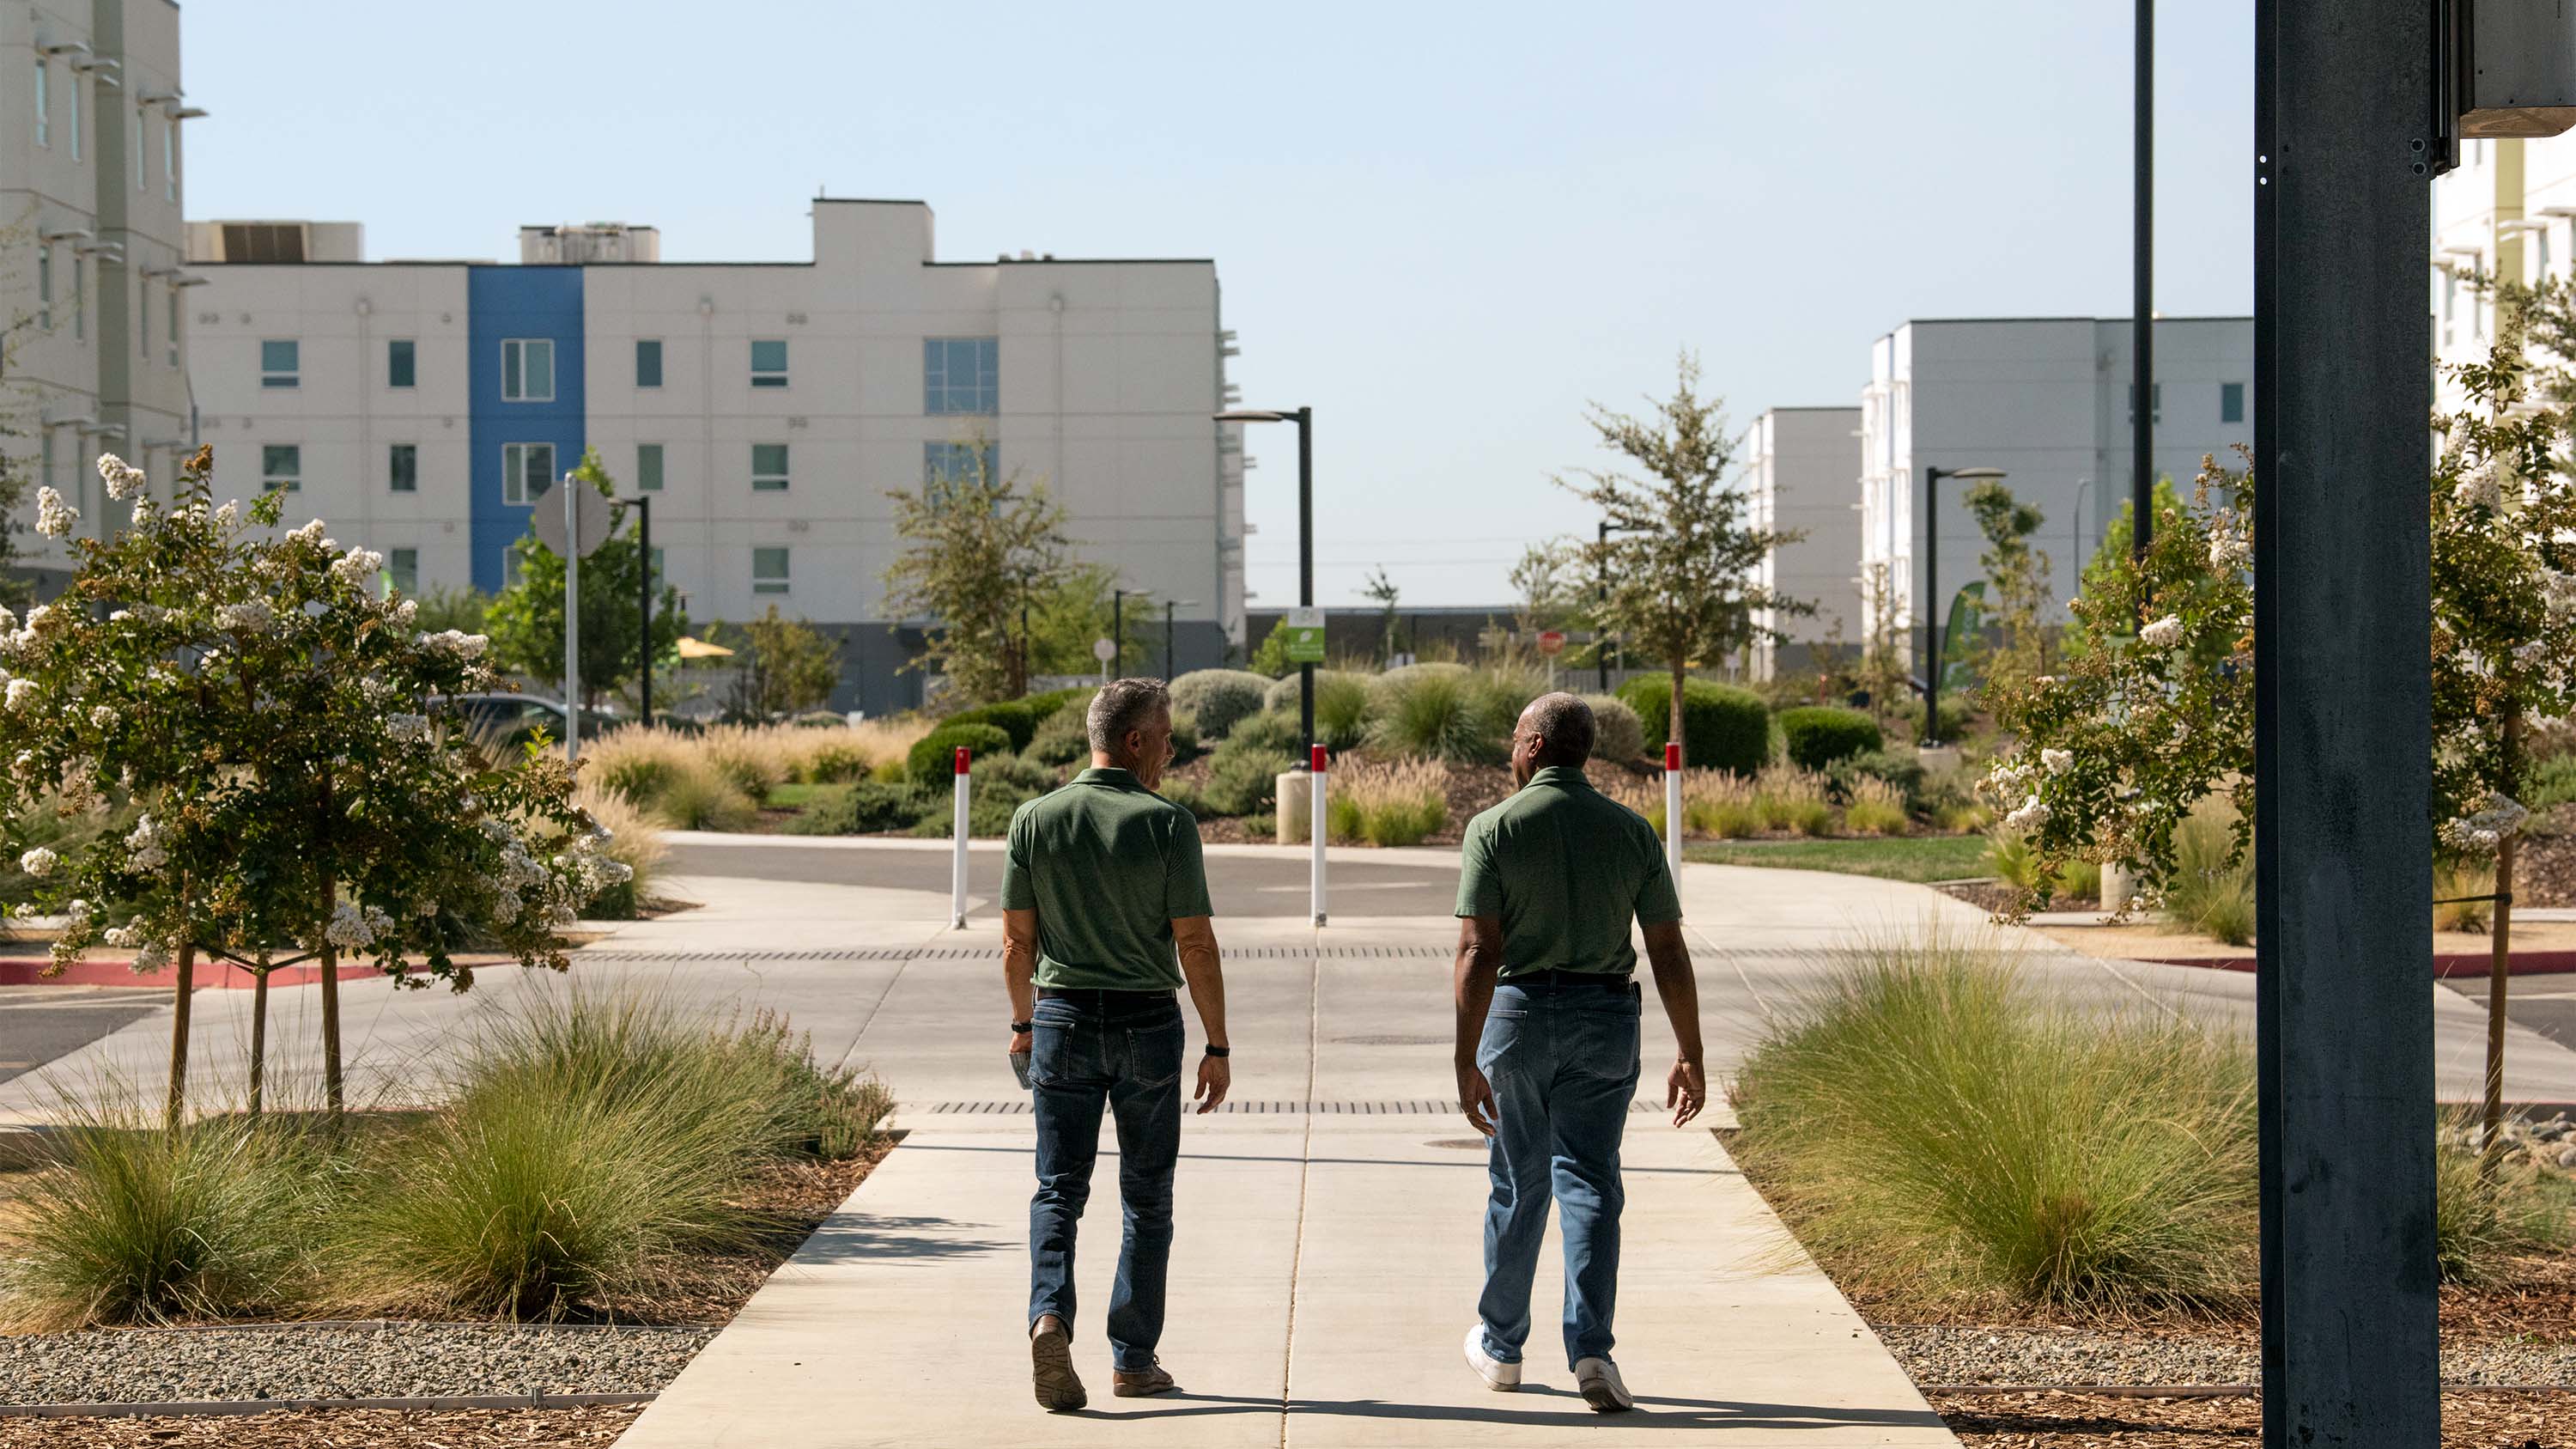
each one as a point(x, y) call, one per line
point(1121, 1051)
point(1563, 1064)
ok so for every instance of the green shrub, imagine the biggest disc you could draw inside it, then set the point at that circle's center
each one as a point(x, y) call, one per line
point(1282, 694)
point(1440, 713)
point(1901, 770)
point(1392, 804)
point(1184, 794)
point(864, 808)
point(1050, 704)
point(2482, 1222)
point(2553, 782)
point(1013, 717)
point(1618, 736)
point(2206, 893)
point(1818, 735)
point(1274, 730)
point(1185, 737)
point(1010, 774)
point(1064, 739)
point(1722, 728)
point(1219, 697)
point(932, 759)
point(132, 1224)
point(698, 798)
point(835, 763)
point(1243, 776)
point(1344, 710)
point(1928, 1127)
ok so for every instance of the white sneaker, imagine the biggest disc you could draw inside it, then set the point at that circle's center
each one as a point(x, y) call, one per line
point(1598, 1378)
point(1501, 1377)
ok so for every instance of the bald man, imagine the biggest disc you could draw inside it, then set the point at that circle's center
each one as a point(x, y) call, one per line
point(1548, 1015)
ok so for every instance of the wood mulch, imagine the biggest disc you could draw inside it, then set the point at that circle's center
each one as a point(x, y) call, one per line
point(2470, 1420)
point(334, 1429)
point(2544, 868)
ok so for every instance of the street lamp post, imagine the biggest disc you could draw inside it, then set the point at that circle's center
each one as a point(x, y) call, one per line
point(644, 602)
point(1932, 477)
point(1168, 606)
point(1304, 418)
point(1600, 633)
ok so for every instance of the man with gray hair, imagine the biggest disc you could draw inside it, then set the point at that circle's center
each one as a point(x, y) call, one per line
point(1547, 1050)
point(1102, 887)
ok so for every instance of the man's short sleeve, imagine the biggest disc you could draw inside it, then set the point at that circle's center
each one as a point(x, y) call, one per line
point(1185, 888)
point(1480, 886)
point(1657, 902)
point(1019, 887)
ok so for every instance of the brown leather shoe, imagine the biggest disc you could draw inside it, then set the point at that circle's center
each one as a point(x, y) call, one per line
point(1059, 1388)
point(1143, 1385)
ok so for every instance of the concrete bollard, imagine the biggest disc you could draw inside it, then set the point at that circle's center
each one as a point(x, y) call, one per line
point(957, 884)
point(1319, 825)
point(1673, 811)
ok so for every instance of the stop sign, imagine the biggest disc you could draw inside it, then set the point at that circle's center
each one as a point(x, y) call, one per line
point(1551, 641)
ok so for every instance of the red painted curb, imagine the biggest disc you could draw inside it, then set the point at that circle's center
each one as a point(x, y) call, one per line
point(209, 975)
point(2446, 965)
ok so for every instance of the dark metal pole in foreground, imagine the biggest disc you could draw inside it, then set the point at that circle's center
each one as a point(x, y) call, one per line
point(2344, 1026)
point(1931, 605)
point(644, 542)
point(1167, 640)
point(2142, 395)
point(1306, 568)
point(1600, 630)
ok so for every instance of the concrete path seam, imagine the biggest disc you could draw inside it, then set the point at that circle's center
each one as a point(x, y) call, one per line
point(1305, 1178)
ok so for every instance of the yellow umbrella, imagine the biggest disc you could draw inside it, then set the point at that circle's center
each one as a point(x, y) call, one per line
point(701, 649)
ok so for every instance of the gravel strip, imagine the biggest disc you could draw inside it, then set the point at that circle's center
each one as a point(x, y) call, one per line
point(1967, 1355)
point(340, 1361)
point(332, 1429)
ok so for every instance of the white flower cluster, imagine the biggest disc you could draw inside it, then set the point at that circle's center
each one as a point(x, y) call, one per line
point(103, 716)
point(358, 567)
point(520, 872)
point(22, 693)
point(2164, 633)
point(592, 872)
point(2482, 486)
point(407, 729)
point(225, 515)
point(2057, 761)
point(2032, 814)
point(145, 846)
point(2558, 595)
point(123, 937)
point(38, 863)
point(123, 480)
point(2485, 829)
point(253, 616)
point(2005, 781)
point(355, 928)
point(310, 533)
point(404, 610)
point(456, 642)
point(2229, 553)
point(54, 517)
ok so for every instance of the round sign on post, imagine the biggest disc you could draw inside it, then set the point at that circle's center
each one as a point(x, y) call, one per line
point(1551, 641)
point(1103, 650)
point(546, 520)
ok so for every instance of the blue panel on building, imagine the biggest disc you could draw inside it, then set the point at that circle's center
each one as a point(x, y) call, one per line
point(517, 305)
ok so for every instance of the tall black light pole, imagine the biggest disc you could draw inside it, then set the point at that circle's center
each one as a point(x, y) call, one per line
point(644, 607)
point(1600, 634)
point(1304, 418)
point(1932, 610)
point(1170, 605)
point(2142, 265)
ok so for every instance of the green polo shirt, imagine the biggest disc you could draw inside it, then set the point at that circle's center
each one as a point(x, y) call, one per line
point(1566, 868)
point(1108, 865)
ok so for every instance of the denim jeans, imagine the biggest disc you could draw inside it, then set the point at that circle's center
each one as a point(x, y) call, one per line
point(1121, 1051)
point(1563, 1064)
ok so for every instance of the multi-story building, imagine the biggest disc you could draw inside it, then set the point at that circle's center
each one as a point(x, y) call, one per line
point(92, 293)
point(767, 409)
point(1801, 475)
point(2509, 212)
point(2047, 399)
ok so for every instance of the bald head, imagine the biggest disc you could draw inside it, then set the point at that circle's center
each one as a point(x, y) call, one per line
point(1561, 726)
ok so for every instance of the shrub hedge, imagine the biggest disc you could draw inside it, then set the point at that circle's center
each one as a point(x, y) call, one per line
point(1722, 727)
point(1219, 697)
point(1618, 735)
point(1819, 735)
point(1013, 717)
point(933, 757)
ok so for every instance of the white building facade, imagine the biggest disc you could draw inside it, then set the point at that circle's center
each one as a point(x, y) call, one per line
point(92, 291)
point(2047, 399)
point(1801, 474)
point(2508, 211)
point(766, 409)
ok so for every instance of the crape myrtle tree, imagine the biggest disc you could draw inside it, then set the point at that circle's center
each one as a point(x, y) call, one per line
point(978, 551)
point(1681, 558)
point(287, 732)
point(526, 620)
point(2116, 749)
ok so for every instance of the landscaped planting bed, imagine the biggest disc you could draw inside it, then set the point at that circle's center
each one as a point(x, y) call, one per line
point(333, 1429)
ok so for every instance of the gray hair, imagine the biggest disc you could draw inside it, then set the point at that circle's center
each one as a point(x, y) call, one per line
point(1123, 705)
point(1565, 728)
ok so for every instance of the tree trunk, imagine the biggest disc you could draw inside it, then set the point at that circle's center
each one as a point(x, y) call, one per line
point(2499, 962)
point(179, 1002)
point(331, 1094)
point(1673, 725)
point(258, 1033)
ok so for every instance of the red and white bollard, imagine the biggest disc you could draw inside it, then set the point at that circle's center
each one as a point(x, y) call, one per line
point(957, 890)
point(1317, 818)
point(1673, 810)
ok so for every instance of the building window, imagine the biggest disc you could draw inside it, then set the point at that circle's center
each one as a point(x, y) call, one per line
point(80, 297)
point(280, 362)
point(45, 286)
point(769, 467)
point(2155, 403)
point(527, 471)
point(2231, 402)
point(281, 467)
point(769, 362)
point(945, 465)
point(402, 467)
point(528, 369)
point(171, 313)
point(402, 570)
point(769, 571)
point(648, 467)
point(44, 103)
point(402, 363)
point(648, 362)
point(961, 375)
point(169, 157)
point(76, 116)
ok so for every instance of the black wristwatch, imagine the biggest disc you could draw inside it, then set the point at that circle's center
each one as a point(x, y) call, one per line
point(1021, 1027)
point(1220, 1052)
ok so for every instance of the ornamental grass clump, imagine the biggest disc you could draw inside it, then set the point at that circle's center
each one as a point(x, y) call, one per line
point(636, 764)
point(1715, 802)
point(1441, 713)
point(1931, 1130)
point(1875, 808)
point(1392, 803)
point(698, 798)
point(1790, 798)
point(2211, 888)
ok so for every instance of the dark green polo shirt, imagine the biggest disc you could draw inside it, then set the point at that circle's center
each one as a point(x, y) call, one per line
point(1108, 865)
point(1567, 868)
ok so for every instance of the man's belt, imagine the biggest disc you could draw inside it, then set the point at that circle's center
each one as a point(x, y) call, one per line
point(1104, 995)
point(1596, 980)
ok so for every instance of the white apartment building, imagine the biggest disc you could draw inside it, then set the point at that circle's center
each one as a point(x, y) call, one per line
point(767, 409)
point(2508, 211)
point(92, 292)
point(1802, 473)
point(2047, 400)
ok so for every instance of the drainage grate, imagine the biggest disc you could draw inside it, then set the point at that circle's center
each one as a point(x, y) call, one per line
point(1392, 1107)
point(857, 954)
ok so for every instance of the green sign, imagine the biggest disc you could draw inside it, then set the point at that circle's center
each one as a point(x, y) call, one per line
point(1305, 636)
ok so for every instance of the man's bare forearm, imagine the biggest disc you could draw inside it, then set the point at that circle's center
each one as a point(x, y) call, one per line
point(1478, 965)
point(1668, 954)
point(1202, 969)
point(1020, 963)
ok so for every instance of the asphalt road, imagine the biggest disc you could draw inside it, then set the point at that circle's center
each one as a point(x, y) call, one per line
point(40, 1023)
point(1238, 885)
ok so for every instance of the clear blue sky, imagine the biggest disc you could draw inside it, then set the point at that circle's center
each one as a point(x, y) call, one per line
point(1445, 226)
